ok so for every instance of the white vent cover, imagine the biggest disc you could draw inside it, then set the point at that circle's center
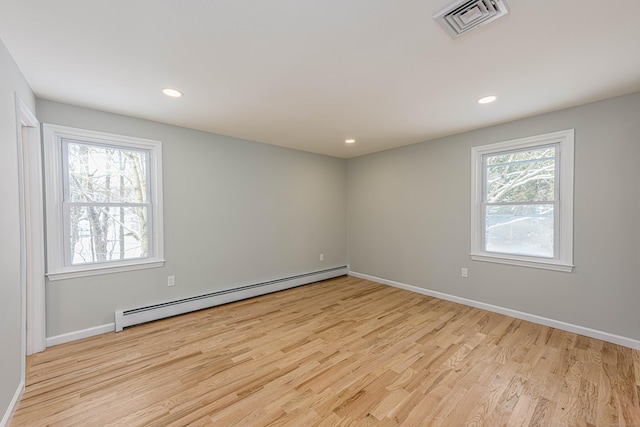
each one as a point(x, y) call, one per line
point(465, 15)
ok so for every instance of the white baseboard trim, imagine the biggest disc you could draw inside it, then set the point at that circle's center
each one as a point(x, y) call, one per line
point(13, 405)
point(569, 327)
point(78, 335)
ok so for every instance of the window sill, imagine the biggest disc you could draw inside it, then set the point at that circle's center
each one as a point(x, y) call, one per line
point(95, 270)
point(523, 262)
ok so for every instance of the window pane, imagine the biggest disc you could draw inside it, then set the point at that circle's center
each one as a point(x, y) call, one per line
point(520, 230)
point(106, 174)
point(521, 176)
point(100, 233)
point(525, 155)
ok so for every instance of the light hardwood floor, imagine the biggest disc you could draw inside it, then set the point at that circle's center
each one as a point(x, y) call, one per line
point(342, 352)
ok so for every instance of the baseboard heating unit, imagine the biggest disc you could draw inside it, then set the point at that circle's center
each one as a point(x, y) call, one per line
point(135, 316)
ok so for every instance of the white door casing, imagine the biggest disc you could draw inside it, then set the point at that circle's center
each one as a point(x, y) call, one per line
point(31, 230)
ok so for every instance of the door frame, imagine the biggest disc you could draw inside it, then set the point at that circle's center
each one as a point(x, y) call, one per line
point(32, 261)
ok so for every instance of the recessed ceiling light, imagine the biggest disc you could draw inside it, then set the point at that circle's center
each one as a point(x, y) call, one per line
point(349, 141)
point(487, 99)
point(174, 93)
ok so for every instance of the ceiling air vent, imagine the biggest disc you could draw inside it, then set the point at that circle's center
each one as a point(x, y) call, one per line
point(465, 15)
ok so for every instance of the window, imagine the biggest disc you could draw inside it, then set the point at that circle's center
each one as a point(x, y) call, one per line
point(522, 202)
point(104, 202)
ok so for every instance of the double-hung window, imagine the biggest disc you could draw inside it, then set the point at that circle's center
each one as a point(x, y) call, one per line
point(104, 202)
point(522, 202)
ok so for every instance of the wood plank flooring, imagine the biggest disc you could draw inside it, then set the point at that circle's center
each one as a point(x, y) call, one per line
point(344, 352)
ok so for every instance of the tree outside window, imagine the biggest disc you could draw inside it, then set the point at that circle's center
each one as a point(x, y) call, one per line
point(520, 202)
point(106, 201)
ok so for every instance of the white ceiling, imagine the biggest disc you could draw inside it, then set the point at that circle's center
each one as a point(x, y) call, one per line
point(307, 74)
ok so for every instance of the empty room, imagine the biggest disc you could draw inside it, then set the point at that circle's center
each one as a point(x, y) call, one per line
point(330, 213)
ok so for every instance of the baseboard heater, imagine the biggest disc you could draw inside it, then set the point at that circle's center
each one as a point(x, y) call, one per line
point(135, 316)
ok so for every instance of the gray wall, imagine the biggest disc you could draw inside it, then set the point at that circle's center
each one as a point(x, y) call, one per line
point(409, 220)
point(235, 212)
point(11, 82)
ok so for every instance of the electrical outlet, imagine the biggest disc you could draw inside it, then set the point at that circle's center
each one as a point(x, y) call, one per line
point(321, 257)
point(171, 280)
point(464, 272)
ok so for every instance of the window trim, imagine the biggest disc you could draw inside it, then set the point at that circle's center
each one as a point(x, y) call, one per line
point(54, 185)
point(563, 256)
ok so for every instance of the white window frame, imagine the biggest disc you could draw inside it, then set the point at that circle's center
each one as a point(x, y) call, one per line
point(563, 221)
point(57, 267)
